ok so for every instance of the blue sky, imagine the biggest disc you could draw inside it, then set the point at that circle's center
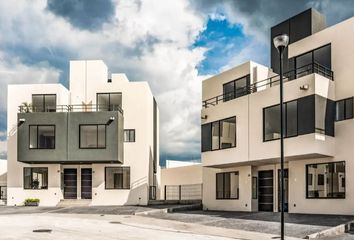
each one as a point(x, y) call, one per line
point(173, 45)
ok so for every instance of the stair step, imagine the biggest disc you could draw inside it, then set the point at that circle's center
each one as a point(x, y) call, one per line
point(74, 202)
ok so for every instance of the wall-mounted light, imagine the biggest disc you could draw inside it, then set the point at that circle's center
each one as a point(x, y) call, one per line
point(204, 117)
point(21, 121)
point(304, 87)
point(111, 119)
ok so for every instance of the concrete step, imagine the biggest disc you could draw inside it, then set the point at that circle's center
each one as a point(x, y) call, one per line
point(173, 202)
point(74, 202)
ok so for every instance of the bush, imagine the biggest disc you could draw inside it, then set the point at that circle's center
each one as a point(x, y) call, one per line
point(32, 201)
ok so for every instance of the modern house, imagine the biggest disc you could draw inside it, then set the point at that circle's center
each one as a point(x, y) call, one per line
point(97, 141)
point(241, 125)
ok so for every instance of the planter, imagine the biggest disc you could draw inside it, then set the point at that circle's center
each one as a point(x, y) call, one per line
point(31, 204)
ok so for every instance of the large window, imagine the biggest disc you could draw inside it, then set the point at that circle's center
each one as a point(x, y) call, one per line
point(117, 177)
point(325, 180)
point(344, 109)
point(302, 116)
point(93, 136)
point(44, 102)
point(129, 135)
point(219, 134)
point(227, 185)
point(35, 178)
point(236, 88)
point(41, 136)
point(109, 101)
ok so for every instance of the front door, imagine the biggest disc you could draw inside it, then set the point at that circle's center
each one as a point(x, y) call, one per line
point(86, 183)
point(265, 191)
point(286, 188)
point(70, 183)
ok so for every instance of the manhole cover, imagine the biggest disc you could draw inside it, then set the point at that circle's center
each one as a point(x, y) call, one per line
point(42, 230)
point(115, 222)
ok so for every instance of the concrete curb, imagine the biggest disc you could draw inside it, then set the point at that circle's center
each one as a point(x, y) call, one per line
point(334, 231)
point(190, 207)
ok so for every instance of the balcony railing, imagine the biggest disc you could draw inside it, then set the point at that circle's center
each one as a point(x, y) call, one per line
point(270, 82)
point(71, 108)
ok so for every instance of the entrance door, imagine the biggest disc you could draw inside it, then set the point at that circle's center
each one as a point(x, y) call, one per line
point(86, 183)
point(286, 189)
point(265, 191)
point(70, 183)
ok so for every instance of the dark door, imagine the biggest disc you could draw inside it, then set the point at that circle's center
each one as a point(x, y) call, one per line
point(86, 183)
point(70, 183)
point(265, 191)
point(286, 189)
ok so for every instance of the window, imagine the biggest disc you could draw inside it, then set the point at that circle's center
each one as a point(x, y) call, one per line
point(227, 185)
point(117, 177)
point(327, 180)
point(129, 135)
point(302, 116)
point(42, 136)
point(219, 134)
point(254, 187)
point(44, 102)
point(236, 88)
point(109, 101)
point(344, 109)
point(35, 178)
point(93, 136)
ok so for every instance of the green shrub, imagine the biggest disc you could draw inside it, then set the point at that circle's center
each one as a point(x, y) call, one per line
point(31, 200)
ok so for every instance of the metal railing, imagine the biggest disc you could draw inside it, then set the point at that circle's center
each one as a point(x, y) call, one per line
point(71, 108)
point(183, 192)
point(270, 82)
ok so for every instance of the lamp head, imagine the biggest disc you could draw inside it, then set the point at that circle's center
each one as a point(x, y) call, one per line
point(281, 41)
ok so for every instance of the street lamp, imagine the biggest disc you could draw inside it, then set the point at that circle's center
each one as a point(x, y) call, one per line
point(280, 43)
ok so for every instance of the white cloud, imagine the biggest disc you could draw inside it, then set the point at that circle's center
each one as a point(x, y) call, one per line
point(149, 40)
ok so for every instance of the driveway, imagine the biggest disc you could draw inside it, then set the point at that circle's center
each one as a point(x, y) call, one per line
point(297, 225)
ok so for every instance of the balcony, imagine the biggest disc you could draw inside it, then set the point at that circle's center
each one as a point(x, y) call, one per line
point(270, 82)
point(70, 134)
point(70, 108)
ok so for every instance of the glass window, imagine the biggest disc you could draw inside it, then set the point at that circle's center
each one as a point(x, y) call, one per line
point(35, 178)
point(229, 91)
point(303, 64)
point(271, 123)
point(228, 133)
point(322, 56)
point(291, 119)
point(320, 116)
point(344, 109)
point(327, 180)
point(44, 102)
point(117, 177)
point(236, 88)
point(93, 136)
point(109, 101)
point(206, 137)
point(215, 136)
point(227, 185)
point(41, 136)
point(129, 135)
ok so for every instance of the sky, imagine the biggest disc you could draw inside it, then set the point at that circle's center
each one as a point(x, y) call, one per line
point(173, 45)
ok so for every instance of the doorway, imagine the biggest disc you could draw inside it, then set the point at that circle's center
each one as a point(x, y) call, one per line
point(286, 189)
point(86, 183)
point(70, 183)
point(265, 191)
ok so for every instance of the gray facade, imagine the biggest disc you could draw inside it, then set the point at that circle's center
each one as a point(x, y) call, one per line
point(67, 137)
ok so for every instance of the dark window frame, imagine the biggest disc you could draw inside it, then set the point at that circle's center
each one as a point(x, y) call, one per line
point(105, 178)
point(40, 125)
point(24, 181)
point(129, 131)
point(223, 179)
point(227, 98)
point(312, 51)
point(105, 136)
point(109, 100)
point(325, 180)
point(219, 121)
point(345, 109)
point(43, 96)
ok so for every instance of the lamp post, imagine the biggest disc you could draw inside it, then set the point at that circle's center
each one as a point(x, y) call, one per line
point(280, 43)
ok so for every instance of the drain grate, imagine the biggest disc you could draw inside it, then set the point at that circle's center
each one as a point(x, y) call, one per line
point(42, 230)
point(115, 222)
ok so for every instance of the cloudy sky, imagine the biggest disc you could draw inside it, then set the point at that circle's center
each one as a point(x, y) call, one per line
point(173, 45)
